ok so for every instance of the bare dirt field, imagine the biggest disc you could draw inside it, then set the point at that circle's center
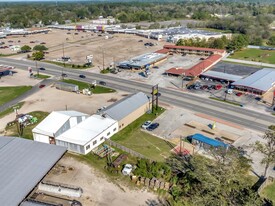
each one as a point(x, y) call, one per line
point(79, 44)
point(97, 190)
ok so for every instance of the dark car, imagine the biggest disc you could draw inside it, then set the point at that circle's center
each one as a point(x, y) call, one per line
point(42, 68)
point(64, 75)
point(43, 43)
point(82, 76)
point(102, 83)
point(41, 86)
point(152, 126)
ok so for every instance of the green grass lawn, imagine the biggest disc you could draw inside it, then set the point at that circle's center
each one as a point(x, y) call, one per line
point(10, 110)
point(67, 65)
point(257, 55)
point(41, 76)
point(269, 192)
point(83, 85)
point(9, 93)
point(27, 134)
point(134, 138)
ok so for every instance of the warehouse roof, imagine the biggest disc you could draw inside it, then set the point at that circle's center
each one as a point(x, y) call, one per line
point(262, 80)
point(87, 130)
point(126, 106)
point(221, 75)
point(23, 164)
point(54, 121)
point(209, 141)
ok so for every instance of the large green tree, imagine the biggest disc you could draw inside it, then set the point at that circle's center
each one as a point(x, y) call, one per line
point(38, 55)
point(26, 48)
point(39, 48)
point(221, 180)
point(267, 148)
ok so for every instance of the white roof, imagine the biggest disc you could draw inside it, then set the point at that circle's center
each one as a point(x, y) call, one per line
point(54, 121)
point(87, 130)
point(262, 80)
point(221, 75)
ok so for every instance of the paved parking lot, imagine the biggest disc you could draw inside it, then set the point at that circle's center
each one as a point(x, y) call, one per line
point(236, 69)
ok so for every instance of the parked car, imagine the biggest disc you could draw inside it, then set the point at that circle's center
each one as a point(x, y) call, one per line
point(82, 76)
point(32, 42)
point(204, 87)
point(146, 124)
point(102, 83)
point(152, 126)
point(239, 94)
point(41, 86)
point(127, 169)
point(229, 91)
point(218, 86)
point(43, 43)
point(140, 40)
point(42, 68)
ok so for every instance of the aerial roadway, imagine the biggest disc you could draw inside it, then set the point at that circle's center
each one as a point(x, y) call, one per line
point(241, 116)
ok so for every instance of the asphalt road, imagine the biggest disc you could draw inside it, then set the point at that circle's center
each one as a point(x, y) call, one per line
point(241, 116)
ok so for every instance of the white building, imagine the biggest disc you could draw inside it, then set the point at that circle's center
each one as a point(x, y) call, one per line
point(55, 124)
point(89, 134)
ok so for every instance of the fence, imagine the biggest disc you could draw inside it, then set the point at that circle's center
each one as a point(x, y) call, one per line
point(267, 181)
point(126, 149)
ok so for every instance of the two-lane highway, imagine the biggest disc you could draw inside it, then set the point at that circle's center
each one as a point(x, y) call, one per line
point(241, 116)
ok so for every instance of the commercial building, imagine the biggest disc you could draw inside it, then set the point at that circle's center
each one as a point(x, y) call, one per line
point(143, 61)
point(88, 134)
point(128, 109)
point(55, 124)
point(221, 76)
point(194, 50)
point(259, 82)
point(24, 163)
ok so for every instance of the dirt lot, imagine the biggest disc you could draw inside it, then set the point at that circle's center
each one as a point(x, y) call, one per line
point(78, 46)
point(97, 190)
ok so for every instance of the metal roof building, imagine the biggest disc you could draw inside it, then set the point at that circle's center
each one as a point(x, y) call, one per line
point(206, 140)
point(23, 164)
point(221, 75)
point(88, 134)
point(140, 62)
point(128, 109)
point(55, 124)
point(259, 82)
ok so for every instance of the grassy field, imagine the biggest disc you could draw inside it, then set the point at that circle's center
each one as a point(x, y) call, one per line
point(41, 76)
point(269, 192)
point(72, 66)
point(10, 110)
point(150, 146)
point(9, 93)
point(83, 85)
point(257, 55)
point(27, 134)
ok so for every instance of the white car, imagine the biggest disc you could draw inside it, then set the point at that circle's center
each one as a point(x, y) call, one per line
point(127, 169)
point(146, 124)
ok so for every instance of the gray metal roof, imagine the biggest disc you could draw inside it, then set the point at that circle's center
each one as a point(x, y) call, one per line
point(221, 75)
point(262, 80)
point(126, 106)
point(23, 163)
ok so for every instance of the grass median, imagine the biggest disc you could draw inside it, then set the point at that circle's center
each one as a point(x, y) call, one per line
point(9, 93)
point(83, 85)
point(226, 101)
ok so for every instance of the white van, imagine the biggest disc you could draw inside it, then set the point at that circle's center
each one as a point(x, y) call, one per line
point(229, 91)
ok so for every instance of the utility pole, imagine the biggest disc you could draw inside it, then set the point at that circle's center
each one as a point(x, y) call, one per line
point(63, 61)
point(103, 59)
point(37, 70)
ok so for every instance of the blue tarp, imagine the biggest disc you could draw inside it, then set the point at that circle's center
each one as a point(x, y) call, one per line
point(209, 141)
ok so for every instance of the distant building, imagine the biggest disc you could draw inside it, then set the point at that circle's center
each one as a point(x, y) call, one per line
point(143, 61)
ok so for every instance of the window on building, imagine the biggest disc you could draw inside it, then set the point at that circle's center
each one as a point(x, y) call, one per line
point(87, 147)
point(101, 138)
point(114, 129)
point(108, 133)
point(94, 142)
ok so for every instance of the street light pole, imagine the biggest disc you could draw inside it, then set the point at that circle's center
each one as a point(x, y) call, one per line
point(63, 61)
point(37, 70)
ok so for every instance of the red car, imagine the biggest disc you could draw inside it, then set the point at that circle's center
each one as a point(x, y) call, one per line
point(41, 86)
point(239, 94)
point(218, 87)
